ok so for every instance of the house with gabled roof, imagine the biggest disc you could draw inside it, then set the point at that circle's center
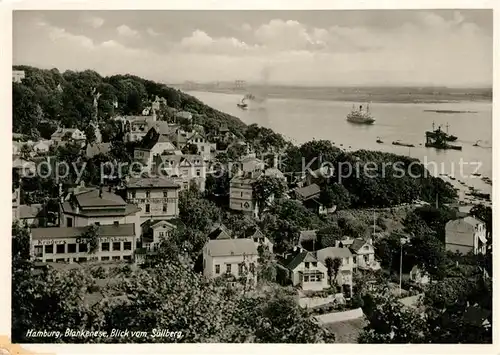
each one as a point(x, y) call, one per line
point(236, 257)
point(347, 265)
point(154, 232)
point(64, 135)
point(96, 206)
point(309, 196)
point(255, 233)
point(305, 270)
point(185, 169)
point(152, 145)
point(363, 252)
point(205, 148)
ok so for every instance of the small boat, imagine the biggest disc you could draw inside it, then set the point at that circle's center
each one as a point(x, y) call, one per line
point(476, 144)
point(379, 140)
point(242, 104)
point(451, 177)
point(476, 174)
point(403, 144)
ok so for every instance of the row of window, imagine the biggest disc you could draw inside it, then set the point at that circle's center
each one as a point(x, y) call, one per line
point(148, 194)
point(84, 259)
point(229, 268)
point(314, 277)
point(82, 248)
point(148, 208)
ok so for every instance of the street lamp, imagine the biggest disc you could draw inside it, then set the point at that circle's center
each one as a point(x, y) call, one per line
point(402, 242)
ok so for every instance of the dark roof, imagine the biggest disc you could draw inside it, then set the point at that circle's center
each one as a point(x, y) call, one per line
point(91, 198)
point(308, 192)
point(151, 182)
point(304, 256)
point(253, 232)
point(118, 211)
point(357, 244)
point(228, 247)
point(219, 231)
point(122, 230)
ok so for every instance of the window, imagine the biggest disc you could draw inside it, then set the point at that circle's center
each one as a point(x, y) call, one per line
point(49, 260)
point(240, 269)
point(255, 240)
point(354, 260)
point(127, 245)
point(60, 260)
point(69, 222)
point(49, 249)
point(60, 248)
point(161, 234)
point(116, 223)
point(147, 208)
point(104, 246)
point(202, 148)
point(198, 172)
point(72, 248)
point(228, 268)
point(127, 257)
point(314, 264)
point(306, 278)
point(165, 193)
point(82, 248)
point(104, 258)
point(347, 261)
point(117, 246)
point(82, 260)
point(39, 250)
point(97, 223)
point(252, 268)
point(132, 194)
point(164, 208)
point(306, 265)
point(116, 257)
point(148, 193)
point(217, 269)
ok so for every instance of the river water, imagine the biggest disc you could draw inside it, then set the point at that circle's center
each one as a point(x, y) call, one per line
point(304, 120)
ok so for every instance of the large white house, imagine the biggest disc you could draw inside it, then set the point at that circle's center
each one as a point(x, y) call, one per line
point(465, 235)
point(96, 206)
point(236, 257)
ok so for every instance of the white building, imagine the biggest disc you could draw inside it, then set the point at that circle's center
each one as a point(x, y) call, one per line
point(237, 257)
point(65, 244)
point(466, 234)
point(156, 197)
point(95, 206)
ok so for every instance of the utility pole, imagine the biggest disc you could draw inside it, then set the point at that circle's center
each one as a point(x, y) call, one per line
point(402, 241)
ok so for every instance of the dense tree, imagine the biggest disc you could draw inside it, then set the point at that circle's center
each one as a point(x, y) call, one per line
point(197, 212)
point(20, 241)
point(266, 188)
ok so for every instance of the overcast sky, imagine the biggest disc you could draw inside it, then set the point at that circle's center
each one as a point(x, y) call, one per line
point(330, 48)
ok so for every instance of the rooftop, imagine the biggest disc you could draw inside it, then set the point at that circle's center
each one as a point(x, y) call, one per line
point(122, 230)
point(301, 257)
point(308, 192)
point(228, 247)
point(151, 182)
point(93, 198)
point(333, 252)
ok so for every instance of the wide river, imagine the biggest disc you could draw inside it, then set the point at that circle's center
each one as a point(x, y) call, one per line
point(304, 120)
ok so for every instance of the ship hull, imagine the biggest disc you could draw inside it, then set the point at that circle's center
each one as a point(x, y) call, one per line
point(366, 122)
point(446, 147)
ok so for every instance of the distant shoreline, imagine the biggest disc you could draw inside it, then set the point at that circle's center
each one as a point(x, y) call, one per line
point(379, 95)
